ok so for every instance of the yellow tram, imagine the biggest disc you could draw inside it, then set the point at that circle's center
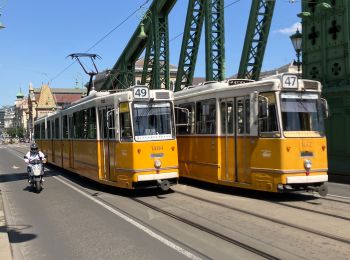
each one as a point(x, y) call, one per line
point(124, 139)
point(266, 135)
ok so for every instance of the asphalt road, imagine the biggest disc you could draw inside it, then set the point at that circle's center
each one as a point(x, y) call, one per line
point(74, 218)
point(62, 223)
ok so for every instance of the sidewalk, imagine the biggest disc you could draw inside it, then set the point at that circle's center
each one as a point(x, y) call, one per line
point(5, 248)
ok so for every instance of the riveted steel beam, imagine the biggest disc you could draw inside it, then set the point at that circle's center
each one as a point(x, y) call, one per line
point(122, 74)
point(215, 40)
point(258, 28)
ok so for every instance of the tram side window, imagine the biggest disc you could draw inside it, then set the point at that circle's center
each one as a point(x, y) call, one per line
point(42, 131)
point(182, 120)
point(91, 115)
point(206, 117)
point(247, 115)
point(48, 129)
point(57, 128)
point(65, 127)
point(111, 125)
point(125, 122)
point(37, 131)
point(103, 123)
point(227, 117)
point(78, 119)
point(71, 127)
point(268, 126)
point(240, 116)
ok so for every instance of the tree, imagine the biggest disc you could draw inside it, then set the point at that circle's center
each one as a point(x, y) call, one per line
point(11, 132)
point(16, 132)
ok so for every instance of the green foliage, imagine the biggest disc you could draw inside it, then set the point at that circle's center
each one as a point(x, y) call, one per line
point(16, 132)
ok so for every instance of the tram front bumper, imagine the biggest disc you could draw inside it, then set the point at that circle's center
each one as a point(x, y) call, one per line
point(158, 176)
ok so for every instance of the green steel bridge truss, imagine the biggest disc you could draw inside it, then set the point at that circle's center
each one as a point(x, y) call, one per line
point(156, 73)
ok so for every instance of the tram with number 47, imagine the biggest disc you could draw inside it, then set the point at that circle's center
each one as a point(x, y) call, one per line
point(263, 135)
point(121, 138)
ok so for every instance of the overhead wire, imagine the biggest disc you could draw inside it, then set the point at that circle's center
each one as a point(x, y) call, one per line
point(102, 38)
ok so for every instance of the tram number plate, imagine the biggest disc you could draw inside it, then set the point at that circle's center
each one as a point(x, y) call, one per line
point(141, 92)
point(290, 81)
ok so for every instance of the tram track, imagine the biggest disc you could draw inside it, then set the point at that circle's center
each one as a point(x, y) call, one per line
point(313, 211)
point(207, 230)
point(336, 200)
point(274, 220)
point(236, 242)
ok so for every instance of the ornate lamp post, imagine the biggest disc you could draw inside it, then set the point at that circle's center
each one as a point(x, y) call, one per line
point(296, 41)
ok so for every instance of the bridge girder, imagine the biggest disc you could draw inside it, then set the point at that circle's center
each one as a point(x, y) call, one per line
point(258, 29)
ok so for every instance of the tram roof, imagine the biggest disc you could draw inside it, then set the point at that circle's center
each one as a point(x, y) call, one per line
point(273, 83)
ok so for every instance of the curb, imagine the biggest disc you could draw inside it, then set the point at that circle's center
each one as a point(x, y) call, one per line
point(5, 248)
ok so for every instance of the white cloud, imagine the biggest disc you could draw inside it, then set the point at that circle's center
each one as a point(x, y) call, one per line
point(290, 30)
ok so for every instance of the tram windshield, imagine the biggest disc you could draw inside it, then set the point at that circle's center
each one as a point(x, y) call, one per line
point(153, 121)
point(301, 114)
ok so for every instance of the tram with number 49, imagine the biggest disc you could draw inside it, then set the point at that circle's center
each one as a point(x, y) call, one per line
point(263, 135)
point(121, 138)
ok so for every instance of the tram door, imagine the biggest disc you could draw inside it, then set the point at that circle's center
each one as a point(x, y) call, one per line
point(228, 140)
point(104, 135)
point(242, 126)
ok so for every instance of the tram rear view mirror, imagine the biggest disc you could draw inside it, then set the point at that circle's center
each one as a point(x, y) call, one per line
point(325, 111)
point(263, 107)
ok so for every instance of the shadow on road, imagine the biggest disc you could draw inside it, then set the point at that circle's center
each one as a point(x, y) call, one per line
point(16, 234)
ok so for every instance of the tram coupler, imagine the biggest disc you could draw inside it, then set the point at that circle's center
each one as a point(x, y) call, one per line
point(322, 189)
point(163, 184)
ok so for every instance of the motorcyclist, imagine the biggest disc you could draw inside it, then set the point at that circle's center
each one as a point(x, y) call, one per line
point(34, 154)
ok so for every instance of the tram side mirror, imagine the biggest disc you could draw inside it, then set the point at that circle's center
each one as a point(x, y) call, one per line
point(263, 107)
point(325, 110)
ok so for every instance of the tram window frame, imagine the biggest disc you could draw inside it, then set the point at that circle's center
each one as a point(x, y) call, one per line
point(208, 123)
point(42, 130)
point(273, 110)
point(37, 131)
point(78, 122)
point(243, 116)
point(125, 123)
point(91, 123)
point(71, 127)
point(224, 114)
point(48, 129)
point(186, 129)
point(240, 115)
point(57, 129)
point(103, 123)
point(111, 120)
point(65, 127)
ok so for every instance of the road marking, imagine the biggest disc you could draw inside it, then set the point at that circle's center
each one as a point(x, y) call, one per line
point(133, 222)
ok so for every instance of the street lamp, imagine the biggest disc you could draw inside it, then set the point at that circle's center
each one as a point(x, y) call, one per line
point(296, 41)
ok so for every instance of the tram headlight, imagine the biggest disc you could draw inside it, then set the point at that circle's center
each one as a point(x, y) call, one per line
point(157, 163)
point(307, 165)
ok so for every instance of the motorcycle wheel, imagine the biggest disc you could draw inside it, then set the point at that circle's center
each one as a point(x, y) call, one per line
point(37, 186)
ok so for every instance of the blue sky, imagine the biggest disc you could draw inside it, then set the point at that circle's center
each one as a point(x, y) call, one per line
point(40, 34)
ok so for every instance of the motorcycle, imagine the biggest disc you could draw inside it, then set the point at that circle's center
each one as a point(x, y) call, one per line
point(35, 172)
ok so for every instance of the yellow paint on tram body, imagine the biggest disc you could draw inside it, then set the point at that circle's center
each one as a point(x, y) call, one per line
point(262, 163)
